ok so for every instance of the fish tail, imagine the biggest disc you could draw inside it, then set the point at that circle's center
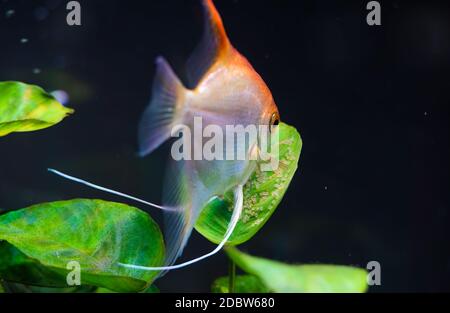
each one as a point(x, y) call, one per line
point(164, 112)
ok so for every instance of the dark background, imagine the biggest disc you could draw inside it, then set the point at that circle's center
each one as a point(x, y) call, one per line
point(371, 104)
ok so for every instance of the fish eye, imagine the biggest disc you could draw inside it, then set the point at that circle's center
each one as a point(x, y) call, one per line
point(274, 120)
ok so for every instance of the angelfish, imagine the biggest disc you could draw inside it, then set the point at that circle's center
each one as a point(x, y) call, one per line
point(226, 90)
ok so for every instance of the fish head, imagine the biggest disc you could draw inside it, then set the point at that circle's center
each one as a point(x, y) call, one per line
point(272, 115)
point(269, 114)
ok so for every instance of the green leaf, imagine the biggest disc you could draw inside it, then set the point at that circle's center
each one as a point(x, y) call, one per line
point(27, 108)
point(96, 234)
point(281, 277)
point(242, 284)
point(151, 289)
point(11, 287)
point(16, 266)
point(262, 194)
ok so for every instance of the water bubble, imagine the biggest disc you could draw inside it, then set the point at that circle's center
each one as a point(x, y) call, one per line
point(24, 40)
point(61, 96)
point(9, 13)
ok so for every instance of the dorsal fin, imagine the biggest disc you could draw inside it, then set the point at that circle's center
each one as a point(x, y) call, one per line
point(213, 45)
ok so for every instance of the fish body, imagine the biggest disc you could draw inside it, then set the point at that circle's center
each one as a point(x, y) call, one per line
point(231, 93)
point(226, 91)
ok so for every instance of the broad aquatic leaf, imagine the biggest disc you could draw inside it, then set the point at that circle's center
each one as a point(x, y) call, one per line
point(242, 284)
point(151, 289)
point(16, 266)
point(262, 194)
point(11, 287)
point(27, 108)
point(281, 277)
point(96, 234)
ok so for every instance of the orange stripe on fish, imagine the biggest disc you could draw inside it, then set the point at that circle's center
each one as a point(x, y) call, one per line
point(216, 25)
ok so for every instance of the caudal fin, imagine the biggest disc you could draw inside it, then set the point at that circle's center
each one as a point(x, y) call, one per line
point(164, 110)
